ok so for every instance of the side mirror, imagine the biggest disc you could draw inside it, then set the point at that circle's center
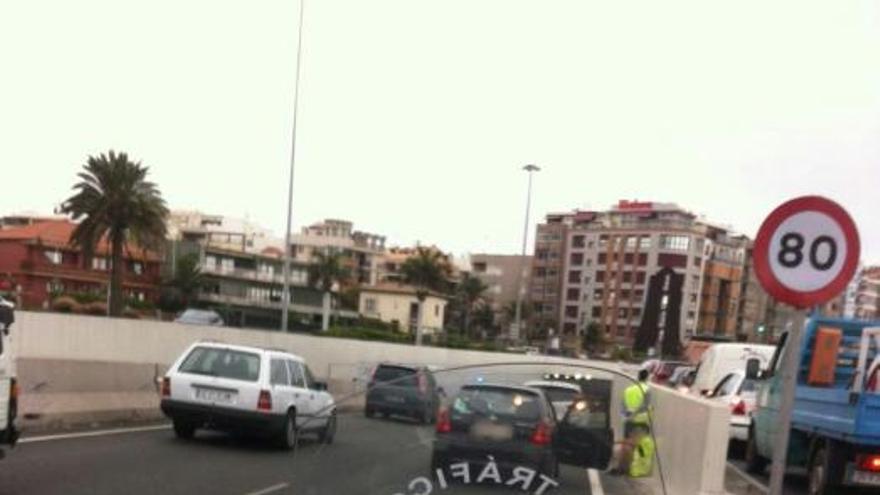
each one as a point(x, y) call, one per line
point(753, 369)
point(321, 386)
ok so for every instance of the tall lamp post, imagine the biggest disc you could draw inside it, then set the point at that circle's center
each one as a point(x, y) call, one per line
point(519, 296)
point(285, 297)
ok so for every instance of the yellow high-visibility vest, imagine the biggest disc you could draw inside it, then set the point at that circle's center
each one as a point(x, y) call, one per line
point(636, 401)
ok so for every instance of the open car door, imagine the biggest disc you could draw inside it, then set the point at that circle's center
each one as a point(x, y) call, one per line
point(584, 436)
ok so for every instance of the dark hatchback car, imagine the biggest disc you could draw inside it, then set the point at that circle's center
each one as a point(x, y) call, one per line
point(516, 428)
point(397, 389)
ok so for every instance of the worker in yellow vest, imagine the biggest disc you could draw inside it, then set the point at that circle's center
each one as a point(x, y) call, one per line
point(637, 451)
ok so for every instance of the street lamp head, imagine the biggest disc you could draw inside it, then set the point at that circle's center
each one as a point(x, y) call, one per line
point(531, 168)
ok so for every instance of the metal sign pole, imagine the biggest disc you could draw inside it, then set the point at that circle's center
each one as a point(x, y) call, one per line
point(786, 407)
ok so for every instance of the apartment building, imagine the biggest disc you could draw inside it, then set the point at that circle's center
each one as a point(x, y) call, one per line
point(363, 251)
point(546, 278)
point(502, 274)
point(243, 273)
point(38, 263)
point(866, 297)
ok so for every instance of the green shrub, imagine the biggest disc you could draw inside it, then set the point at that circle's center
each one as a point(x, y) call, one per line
point(65, 304)
point(362, 333)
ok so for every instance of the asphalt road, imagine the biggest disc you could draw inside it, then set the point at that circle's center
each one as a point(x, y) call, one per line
point(380, 456)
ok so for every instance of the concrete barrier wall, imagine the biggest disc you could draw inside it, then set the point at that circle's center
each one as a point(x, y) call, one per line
point(692, 437)
point(80, 369)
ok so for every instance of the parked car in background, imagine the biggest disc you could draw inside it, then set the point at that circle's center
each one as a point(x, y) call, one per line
point(246, 389)
point(200, 317)
point(560, 394)
point(9, 387)
point(403, 390)
point(719, 360)
point(663, 371)
point(681, 378)
point(740, 394)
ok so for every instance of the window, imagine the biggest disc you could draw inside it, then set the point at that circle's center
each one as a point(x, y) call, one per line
point(99, 263)
point(597, 311)
point(631, 242)
point(624, 294)
point(480, 267)
point(296, 374)
point(552, 272)
point(692, 297)
point(640, 277)
point(577, 241)
point(223, 363)
point(627, 277)
point(278, 373)
point(644, 242)
point(574, 277)
point(639, 294)
point(726, 387)
point(602, 258)
point(541, 254)
point(210, 262)
point(53, 256)
point(591, 245)
point(436, 310)
point(54, 286)
point(540, 271)
point(672, 260)
point(310, 378)
point(636, 312)
point(699, 245)
point(571, 311)
point(569, 327)
point(695, 281)
point(675, 242)
point(622, 313)
point(643, 259)
point(600, 276)
point(603, 241)
point(577, 259)
point(370, 305)
point(628, 258)
point(597, 295)
point(573, 294)
point(589, 262)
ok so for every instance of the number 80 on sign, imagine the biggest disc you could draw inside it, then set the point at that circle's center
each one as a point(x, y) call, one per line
point(806, 251)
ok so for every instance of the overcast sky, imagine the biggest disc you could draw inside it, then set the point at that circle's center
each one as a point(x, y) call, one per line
point(416, 116)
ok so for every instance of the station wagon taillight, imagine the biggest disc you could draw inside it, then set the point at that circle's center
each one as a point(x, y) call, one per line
point(166, 387)
point(264, 403)
point(738, 408)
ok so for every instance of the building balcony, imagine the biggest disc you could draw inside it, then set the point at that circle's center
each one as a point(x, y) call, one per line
point(253, 275)
point(268, 304)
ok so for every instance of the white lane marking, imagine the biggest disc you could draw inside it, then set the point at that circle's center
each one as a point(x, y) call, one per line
point(269, 489)
point(595, 482)
point(749, 479)
point(97, 433)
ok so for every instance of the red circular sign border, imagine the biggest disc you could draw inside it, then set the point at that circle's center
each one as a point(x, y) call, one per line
point(765, 233)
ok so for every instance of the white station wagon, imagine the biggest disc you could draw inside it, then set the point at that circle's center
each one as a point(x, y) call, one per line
point(246, 389)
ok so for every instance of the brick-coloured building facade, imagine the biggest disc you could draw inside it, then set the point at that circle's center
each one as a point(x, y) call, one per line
point(39, 262)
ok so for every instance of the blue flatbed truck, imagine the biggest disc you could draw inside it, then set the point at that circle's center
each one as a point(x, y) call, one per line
point(835, 423)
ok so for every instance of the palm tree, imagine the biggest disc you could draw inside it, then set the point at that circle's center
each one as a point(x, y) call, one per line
point(325, 271)
point(115, 201)
point(188, 277)
point(470, 291)
point(427, 271)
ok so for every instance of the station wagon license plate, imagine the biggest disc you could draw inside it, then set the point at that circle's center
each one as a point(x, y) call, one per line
point(213, 395)
point(864, 478)
point(395, 399)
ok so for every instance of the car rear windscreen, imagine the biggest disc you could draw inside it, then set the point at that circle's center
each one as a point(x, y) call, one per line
point(510, 404)
point(223, 363)
point(404, 377)
point(559, 394)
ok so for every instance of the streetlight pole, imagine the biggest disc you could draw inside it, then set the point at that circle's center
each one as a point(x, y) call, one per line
point(285, 297)
point(519, 296)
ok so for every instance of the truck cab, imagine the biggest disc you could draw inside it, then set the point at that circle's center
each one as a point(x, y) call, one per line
point(835, 423)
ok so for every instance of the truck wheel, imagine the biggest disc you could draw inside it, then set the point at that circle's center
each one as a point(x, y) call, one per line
point(755, 464)
point(826, 471)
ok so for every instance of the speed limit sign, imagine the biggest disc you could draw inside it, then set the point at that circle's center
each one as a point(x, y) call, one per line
point(806, 251)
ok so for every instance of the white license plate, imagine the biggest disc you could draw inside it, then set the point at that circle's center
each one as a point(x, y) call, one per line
point(210, 395)
point(864, 478)
point(394, 398)
point(486, 430)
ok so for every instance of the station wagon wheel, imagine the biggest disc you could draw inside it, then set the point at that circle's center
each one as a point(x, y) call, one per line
point(184, 430)
point(329, 432)
point(290, 433)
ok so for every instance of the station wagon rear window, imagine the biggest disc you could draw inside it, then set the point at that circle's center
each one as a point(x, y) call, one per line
point(223, 363)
